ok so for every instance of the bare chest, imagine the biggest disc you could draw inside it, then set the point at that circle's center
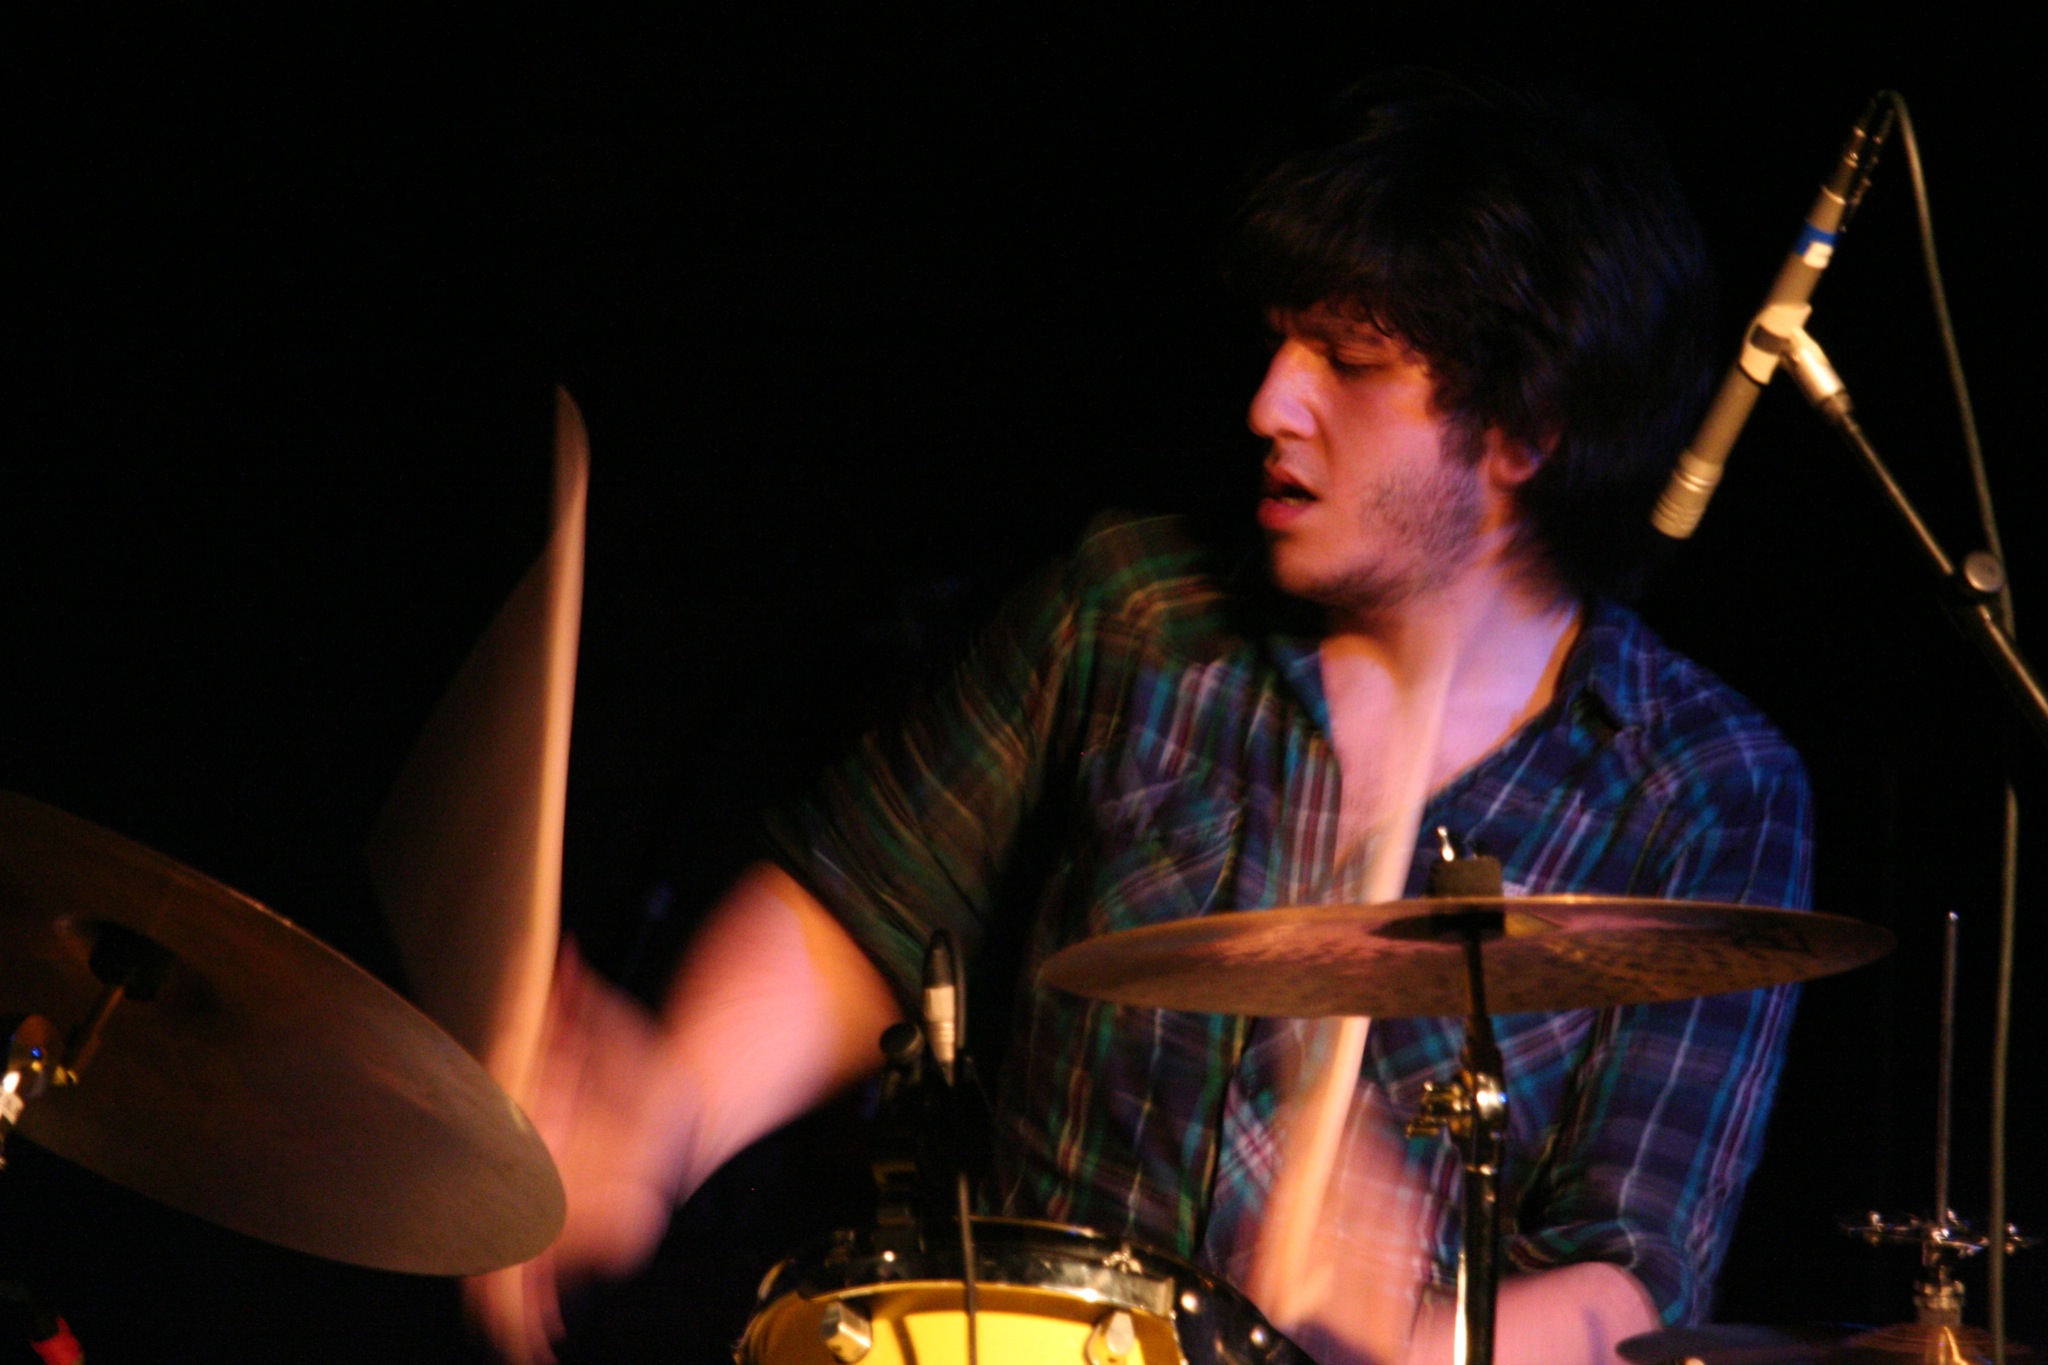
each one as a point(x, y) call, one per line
point(1395, 747)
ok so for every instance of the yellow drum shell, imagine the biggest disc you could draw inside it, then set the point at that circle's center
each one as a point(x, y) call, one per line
point(1046, 1295)
point(923, 1323)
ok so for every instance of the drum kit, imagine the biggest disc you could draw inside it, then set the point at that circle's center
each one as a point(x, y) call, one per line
point(180, 1039)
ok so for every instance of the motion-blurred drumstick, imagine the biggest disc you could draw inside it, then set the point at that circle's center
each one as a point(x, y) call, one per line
point(466, 855)
point(1285, 1281)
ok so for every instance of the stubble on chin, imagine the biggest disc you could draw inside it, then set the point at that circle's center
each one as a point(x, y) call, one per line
point(1413, 537)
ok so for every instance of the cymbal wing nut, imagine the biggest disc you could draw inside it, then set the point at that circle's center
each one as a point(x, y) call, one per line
point(1444, 1108)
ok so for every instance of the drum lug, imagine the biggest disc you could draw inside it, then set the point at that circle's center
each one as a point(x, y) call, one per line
point(1112, 1341)
point(845, 1331)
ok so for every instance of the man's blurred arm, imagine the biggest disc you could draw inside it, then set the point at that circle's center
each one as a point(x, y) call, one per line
point(773, 1010)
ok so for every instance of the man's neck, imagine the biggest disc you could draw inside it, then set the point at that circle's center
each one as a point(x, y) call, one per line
point(1495, 629)
point(1487, 648)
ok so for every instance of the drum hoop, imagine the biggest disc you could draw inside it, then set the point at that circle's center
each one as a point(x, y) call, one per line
point(1214, 1323)
point(1013, 1253)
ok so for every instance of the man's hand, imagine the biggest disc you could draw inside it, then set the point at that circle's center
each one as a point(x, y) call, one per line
point(598, 1075)
point(773, 1010)
point(1369, 1260)
point(1370, 1263)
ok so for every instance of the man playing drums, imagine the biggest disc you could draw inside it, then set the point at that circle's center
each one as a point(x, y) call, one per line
point(1487, 313)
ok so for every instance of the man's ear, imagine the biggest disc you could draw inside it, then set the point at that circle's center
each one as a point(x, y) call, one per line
point(1510, 463)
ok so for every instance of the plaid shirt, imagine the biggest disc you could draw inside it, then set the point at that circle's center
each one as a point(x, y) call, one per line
point(1137, 738)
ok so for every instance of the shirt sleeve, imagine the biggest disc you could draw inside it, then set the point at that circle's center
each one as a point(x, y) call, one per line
point(1665, 1119)
point(911, 832)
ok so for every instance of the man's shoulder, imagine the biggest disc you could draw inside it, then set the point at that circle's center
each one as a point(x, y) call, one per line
point(1168, 578)
point(1683, 714)
point(1123, 552)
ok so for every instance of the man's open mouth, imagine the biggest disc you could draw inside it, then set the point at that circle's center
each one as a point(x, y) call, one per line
point(1282, 487)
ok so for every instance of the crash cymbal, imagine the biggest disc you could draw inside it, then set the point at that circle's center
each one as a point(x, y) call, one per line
point(1391, 960)
point(269, 1085)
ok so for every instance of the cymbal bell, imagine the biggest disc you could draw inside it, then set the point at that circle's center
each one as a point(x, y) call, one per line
point(1395, 959)
point(269, 1085)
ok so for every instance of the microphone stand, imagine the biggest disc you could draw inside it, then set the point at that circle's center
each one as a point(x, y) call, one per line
point(1968, 594)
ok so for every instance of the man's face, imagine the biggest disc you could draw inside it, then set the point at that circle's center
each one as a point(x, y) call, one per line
point(1372, 496)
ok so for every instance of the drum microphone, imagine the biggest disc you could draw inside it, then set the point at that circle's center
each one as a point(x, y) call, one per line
point(943, 1002)
point(1784, 313)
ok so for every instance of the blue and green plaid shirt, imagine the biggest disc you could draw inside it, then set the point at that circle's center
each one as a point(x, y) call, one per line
point(1142, 736)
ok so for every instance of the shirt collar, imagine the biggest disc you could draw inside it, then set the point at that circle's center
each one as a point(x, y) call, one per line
point(1597, 672)
point(1598, 669)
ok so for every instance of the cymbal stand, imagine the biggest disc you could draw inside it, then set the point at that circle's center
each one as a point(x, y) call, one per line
point(129, 966)
point(31, 1065)
point(1473, 1108)
point(1945, 1241)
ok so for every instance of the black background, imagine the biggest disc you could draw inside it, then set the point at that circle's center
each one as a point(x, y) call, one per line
point(868, 310)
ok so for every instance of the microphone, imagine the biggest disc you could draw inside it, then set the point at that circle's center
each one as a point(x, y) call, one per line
point(945, 1019)
point(942, 1002)
point(1784, 313)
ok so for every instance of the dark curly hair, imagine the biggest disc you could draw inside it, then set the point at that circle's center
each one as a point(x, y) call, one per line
point(1535, 250)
